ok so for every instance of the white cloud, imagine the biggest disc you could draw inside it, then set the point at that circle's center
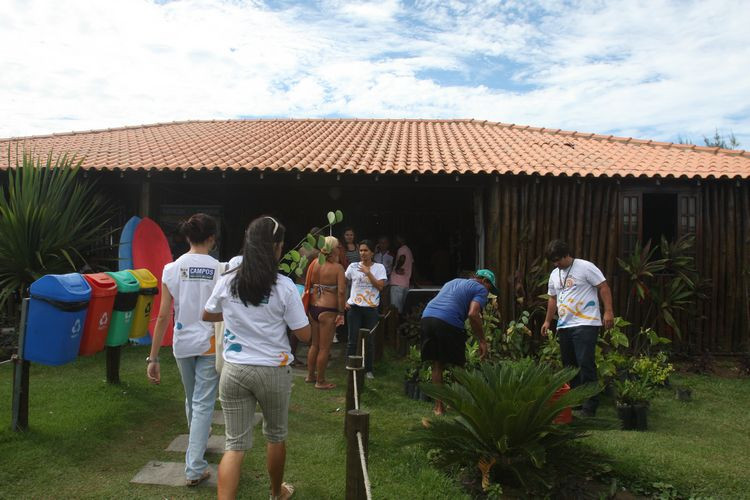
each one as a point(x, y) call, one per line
point(655, 69)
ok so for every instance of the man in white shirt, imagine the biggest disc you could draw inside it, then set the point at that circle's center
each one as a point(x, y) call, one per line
point(575, 286)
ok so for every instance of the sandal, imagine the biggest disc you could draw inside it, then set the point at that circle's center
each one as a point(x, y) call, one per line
point(287, 490)
point(325, 387)
point(191, 483)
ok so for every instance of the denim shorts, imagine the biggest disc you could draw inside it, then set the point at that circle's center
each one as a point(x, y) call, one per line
point(240, 388)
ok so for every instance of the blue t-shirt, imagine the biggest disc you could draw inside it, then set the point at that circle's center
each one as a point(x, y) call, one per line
point(452, 302)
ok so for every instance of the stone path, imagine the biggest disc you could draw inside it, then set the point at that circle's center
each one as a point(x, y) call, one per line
point(173, 473)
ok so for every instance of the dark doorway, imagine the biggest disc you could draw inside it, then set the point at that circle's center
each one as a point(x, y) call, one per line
point(659, 217)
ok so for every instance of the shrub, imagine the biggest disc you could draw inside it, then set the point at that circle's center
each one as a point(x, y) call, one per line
point(504, 423)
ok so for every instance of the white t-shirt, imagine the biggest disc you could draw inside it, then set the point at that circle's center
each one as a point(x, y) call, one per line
point(576, 293)
point(191, 279)
point(256, 335)
point(363, 292)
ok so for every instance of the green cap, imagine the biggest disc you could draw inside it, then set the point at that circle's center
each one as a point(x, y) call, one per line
point(489, 276)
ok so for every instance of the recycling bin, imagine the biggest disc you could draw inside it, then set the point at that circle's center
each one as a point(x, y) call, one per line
point(54, 324)
point(103, 292)
point(122, 311)
point(143, 306)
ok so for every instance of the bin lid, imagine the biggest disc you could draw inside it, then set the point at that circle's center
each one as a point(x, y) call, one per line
point(126, 282)
point(102, 284)
point(145, 278)
point(62, 287)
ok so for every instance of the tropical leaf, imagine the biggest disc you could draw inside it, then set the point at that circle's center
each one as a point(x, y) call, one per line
point(49, 219)
point(504, 417)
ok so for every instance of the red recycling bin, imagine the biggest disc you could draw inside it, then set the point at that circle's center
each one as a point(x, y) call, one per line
point(103, 292)
point(565, 416)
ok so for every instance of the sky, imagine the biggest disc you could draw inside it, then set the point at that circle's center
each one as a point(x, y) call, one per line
point(663, 70)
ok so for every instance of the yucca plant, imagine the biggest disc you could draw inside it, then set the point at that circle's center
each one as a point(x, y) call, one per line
point(48, 218)
point(504, 420)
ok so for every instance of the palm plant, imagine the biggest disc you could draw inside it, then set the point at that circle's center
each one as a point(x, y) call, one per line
point(48, 219)
point(504, 423)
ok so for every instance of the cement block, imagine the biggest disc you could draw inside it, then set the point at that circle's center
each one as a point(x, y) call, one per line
point(180, 444)
point(170, 474)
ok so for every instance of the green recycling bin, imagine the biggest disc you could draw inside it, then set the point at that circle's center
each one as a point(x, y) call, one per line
point(128, 289)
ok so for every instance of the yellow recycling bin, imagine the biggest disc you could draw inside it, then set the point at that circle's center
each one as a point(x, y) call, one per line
point(142, 312)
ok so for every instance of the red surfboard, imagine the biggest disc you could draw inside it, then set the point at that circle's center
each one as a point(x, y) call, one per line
point(151, 251)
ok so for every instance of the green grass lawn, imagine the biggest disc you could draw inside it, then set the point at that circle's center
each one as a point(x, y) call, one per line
point(88, 439)
point(701, 447)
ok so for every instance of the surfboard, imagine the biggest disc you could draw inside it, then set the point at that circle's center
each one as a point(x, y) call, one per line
point(151, 251)
point(125, 260)
point(125, 250)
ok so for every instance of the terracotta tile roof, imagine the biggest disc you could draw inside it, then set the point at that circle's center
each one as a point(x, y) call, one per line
point(382, 146)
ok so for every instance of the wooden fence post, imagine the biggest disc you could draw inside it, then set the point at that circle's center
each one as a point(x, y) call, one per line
point(20, 403)
point(356, 421)
point(113, 364)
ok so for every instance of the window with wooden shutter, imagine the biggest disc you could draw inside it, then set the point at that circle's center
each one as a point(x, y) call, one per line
point(688, 214)
point(631, 223)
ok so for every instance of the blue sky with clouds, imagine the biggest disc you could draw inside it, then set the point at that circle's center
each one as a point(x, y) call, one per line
point(652, 69)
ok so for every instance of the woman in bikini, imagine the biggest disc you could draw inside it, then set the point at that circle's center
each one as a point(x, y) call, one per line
point(328, 294)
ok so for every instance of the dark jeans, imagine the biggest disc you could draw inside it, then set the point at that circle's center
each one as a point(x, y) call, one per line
point(361, 317)
point(578, 348)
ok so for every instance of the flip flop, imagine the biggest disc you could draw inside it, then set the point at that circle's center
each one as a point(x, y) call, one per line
point(325, 387)
point(191, 483)
point(287, 490)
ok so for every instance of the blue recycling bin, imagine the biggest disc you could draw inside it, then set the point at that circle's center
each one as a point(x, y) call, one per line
point(54, 321)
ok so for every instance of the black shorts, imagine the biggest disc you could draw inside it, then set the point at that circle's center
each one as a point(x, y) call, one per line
point(443, 342)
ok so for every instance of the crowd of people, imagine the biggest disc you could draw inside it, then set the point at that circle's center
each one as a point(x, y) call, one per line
point(263, 317)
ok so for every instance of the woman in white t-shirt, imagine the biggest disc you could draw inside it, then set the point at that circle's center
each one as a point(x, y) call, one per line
point(187, 284)
point(367, 281)
point(257, 306)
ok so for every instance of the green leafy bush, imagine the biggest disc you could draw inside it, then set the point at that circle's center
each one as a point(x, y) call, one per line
point(48, 219)
point(504, 421)
point(634, 391)
point(654, 370)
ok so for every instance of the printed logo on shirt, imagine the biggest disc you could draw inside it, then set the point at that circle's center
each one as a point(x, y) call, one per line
point(197, 273)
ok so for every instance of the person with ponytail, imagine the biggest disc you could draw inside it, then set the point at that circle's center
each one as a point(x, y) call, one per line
point(257, 305)
point(187, 284)
point(328, 295)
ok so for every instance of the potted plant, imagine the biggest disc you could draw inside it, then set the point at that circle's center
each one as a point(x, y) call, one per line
point(633, 396)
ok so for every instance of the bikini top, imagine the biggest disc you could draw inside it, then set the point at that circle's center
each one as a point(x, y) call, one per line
point(324, 288)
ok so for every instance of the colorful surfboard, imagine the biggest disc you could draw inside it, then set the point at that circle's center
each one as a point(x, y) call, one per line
point(125, 260)
point(151, 251)
point(125, 250)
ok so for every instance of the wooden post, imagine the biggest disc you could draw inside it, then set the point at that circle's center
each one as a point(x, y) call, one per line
point(357, 421)
point(379, 339)
point(354, 370)
point(20, 404)
point(113, 364)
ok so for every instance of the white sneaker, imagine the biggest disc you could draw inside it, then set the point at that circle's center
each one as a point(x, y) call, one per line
point(369, 375)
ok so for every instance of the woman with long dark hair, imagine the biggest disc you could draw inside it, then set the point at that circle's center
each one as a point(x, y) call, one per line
point(257, 305)
point(367, 281)
point(187, 284)
point(326, 311)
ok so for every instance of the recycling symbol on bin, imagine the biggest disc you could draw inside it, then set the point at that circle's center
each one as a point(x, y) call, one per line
point(128, 315)
point(148, 309)
point(103, 320)
point(76, 329)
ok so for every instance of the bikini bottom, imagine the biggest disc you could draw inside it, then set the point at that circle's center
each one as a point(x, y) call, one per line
point(316, 311)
